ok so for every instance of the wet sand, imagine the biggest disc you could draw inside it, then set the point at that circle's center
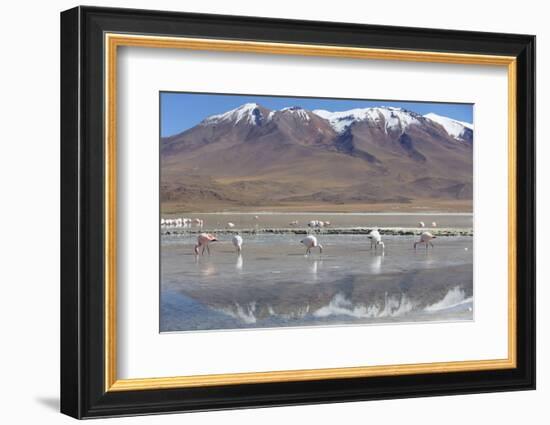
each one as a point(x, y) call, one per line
point(273, 284)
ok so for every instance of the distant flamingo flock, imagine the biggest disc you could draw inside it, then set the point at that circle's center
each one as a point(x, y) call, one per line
point(181, 222)
point(310, 242)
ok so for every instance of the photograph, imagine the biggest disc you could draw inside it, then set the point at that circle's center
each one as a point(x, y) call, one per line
point(279, 211)
point(284, 210)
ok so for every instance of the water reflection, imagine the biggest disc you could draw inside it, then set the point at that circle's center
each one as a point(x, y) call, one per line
point(205, 266)
point(367, 296)
point(239, 263)
point(375, 264)
point(346, 285)
point(313, 267)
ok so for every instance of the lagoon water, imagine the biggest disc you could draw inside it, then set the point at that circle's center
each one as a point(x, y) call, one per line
point(265, 220)
point(273, 284)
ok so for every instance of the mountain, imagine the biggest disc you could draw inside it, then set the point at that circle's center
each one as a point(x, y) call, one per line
point(457, 129)
point(255, 157)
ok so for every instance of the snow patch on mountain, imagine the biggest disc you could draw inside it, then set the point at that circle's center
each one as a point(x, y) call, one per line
point(393, 118)
point(249, 112)
point(296, 110)
point(453, 127)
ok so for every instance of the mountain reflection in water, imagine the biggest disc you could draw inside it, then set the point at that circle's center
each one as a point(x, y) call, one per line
point(272, 284)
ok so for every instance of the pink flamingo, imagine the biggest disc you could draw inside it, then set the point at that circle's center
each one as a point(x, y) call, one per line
point(425, 238)
point(202, 241)
point(311, 242)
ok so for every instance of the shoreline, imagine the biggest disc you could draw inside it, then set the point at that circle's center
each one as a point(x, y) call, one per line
point(390, 231)
point(420, 206)
point(302, 213)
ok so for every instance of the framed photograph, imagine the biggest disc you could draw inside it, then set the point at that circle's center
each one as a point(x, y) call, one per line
point(261, 212)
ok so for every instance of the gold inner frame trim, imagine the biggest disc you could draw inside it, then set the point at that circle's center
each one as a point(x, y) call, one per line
point(113, 41)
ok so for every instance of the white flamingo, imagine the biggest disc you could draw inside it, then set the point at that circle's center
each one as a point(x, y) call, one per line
point(316, 223)
point(237, 242)
point(426, 239)
point(202, 242)
point(311, 242)
point(375, 240)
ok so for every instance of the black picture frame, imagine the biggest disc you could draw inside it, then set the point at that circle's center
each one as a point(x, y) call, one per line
point(83, 392)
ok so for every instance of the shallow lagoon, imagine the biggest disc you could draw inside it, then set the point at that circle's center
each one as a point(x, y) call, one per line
point(273, 284)
point(262, 220)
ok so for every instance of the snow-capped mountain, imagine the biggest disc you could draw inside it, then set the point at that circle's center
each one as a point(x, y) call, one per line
point(254, 155)
point(457, 129)
point(299, 112)
point(391, 118)
point(249, 113)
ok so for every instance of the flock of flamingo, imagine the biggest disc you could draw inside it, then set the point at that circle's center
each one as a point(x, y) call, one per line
point(181, 222)
point(187, 222)
point(310, 242)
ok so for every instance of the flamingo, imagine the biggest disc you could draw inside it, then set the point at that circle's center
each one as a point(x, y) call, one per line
point(230, 225)
point(311, 242)
point(434, 224)
point(421, 224)
point(316, 223)
point(237, 242)
point(202, 241)
point(426, 239)
point(375, 239)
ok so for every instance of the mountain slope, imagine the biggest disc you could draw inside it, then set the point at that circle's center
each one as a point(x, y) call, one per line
point(458, 129)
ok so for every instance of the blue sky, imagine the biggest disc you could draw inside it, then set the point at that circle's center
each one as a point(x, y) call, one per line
point(180, 111)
